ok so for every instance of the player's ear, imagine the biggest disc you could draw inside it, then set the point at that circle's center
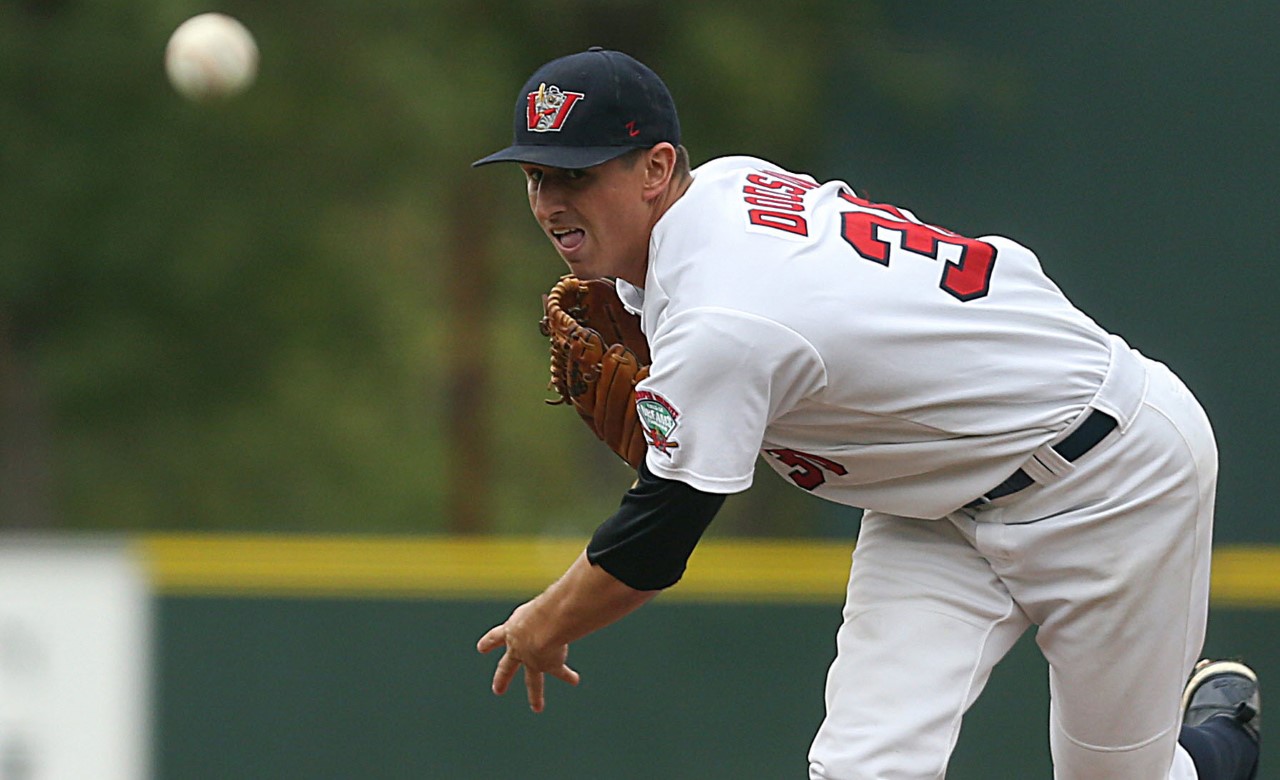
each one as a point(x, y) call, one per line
point(659, 168)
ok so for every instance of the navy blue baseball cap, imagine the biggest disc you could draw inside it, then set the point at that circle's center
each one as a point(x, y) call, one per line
point(588, 108)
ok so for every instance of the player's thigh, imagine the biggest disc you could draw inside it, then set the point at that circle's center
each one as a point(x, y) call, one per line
point(1120, 590)
point(1118, 656)
point(925, 621)
point(1117, 661)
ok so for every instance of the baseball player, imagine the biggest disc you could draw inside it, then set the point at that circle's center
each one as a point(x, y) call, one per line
point(1018, 465)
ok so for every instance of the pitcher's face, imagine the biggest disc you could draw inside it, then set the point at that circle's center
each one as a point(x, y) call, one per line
point(597, 218)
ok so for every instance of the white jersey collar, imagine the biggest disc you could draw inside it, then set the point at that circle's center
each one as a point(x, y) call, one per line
point(632, 297)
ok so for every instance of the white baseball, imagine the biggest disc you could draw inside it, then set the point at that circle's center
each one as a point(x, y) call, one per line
point(211, 56)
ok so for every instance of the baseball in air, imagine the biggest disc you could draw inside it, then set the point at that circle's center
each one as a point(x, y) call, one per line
point(210, 57)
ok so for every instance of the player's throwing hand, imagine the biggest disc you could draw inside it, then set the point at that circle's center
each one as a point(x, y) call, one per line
point(516, 635)
point(538, 632)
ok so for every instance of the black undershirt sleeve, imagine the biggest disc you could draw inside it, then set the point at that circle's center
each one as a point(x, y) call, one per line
point(648, 541)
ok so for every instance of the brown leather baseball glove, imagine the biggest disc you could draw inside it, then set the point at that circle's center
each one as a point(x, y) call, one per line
point(598, 355)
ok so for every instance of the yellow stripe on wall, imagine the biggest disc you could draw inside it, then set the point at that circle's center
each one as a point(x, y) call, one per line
point(355, 566)
point(1246, 577)
point(520, 567)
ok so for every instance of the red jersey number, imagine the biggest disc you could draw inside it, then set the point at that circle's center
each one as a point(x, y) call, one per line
point(807, 470)
point(969, 262)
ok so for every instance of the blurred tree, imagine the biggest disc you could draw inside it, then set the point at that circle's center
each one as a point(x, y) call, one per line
point(301, 309)
point(25, 478)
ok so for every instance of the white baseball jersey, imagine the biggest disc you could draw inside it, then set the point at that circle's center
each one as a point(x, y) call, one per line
point(870, 358)
point(895, 366)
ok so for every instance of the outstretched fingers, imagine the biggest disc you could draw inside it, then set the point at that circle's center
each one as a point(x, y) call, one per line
point(566, 674)
point(512, 661)
point(494, 637)
point(534, 683)
point(508, 665)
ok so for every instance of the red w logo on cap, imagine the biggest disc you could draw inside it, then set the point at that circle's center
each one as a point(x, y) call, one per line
point(549, 107)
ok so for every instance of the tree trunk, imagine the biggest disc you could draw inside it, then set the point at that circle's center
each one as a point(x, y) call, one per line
point(468, 433)
point(25, 451)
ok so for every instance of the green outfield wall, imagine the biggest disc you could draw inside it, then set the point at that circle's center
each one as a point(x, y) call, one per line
point(352, 658)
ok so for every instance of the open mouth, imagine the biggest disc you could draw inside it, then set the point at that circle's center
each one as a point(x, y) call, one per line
point(568, 238)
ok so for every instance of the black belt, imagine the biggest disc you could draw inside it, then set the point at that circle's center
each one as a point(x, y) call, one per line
point(1084, 438)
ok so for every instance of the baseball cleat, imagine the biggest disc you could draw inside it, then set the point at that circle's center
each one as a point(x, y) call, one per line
point(1223, 688)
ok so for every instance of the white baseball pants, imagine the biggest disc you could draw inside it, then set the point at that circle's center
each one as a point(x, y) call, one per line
point(1110, 558)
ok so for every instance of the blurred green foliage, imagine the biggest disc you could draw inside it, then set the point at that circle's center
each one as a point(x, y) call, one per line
point(302, 310)
point(265, 314)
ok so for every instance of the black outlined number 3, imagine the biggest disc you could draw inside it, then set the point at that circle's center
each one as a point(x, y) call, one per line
point(969, 262)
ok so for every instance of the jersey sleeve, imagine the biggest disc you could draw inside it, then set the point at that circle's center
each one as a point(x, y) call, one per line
point(718, 377)
point(646, 544)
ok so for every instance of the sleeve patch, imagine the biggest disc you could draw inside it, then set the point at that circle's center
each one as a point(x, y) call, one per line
point(658, 419)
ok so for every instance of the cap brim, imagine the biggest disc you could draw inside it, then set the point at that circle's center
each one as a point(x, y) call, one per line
point(556, 156)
